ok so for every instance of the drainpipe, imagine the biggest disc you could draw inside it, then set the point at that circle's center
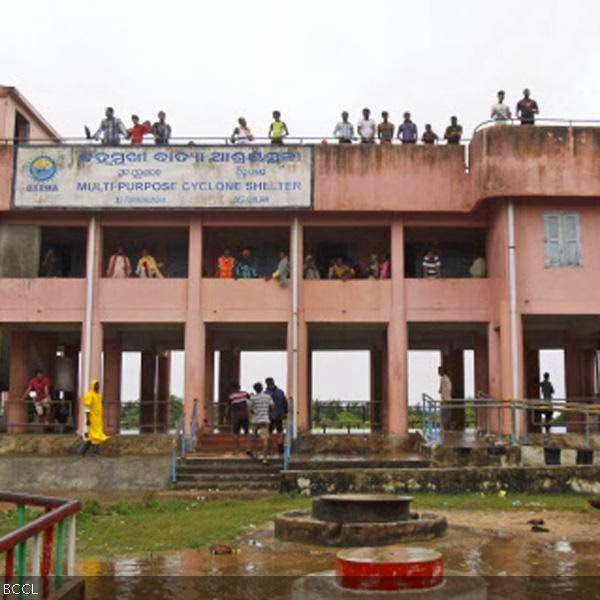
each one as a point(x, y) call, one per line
point(89, 306)
point(295, 296)
point(512, 283)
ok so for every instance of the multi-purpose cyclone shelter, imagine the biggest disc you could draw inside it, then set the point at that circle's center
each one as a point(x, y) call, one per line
point(526, 200)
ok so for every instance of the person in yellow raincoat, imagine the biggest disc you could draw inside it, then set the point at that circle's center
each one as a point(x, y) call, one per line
point(92, 402)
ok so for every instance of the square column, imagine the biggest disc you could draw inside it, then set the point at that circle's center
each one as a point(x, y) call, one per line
point(195, 336)
point(396, 399)
point(453, 362)
point(163, 396)
point(148, 392)
point(112, 385)
point(229, 373)
point(19, 375)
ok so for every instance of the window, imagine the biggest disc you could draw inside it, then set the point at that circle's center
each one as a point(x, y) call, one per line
point(562, 239)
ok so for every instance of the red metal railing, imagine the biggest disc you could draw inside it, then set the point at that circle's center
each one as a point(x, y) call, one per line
point(47, 535)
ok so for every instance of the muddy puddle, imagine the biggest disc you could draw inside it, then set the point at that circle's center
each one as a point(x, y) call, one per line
point(517, 563)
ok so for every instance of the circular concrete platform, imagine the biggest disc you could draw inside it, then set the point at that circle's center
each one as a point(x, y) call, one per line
point(392, 568)
point(361, 508)
point(300, 526)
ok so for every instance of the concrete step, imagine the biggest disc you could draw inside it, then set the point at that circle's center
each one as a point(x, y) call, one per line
point(323, 465)
point(226, 486)
point(228, 476)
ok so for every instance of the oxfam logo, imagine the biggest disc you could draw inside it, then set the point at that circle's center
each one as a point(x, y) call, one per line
point(42, 168)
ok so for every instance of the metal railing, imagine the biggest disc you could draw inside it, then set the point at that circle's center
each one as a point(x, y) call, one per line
point(346, 415)
point(47, 534)
point(20, 416)
point(289, 434)
point(506, 420)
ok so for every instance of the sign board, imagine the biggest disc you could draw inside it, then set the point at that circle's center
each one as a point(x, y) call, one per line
point(129, 177)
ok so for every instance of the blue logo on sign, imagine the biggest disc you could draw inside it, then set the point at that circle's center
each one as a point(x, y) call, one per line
point(42, 168)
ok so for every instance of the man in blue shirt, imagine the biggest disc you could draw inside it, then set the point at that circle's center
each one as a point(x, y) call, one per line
point(407, 132)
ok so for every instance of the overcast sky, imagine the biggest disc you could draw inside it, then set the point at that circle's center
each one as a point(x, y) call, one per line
point(206, 63)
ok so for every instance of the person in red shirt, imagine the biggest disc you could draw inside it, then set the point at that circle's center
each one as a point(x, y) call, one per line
point(238, 413)
point(139, 130)
point(40, 385)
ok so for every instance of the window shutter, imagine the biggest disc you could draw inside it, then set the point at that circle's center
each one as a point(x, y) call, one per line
point(552, 239)
point(571, 240)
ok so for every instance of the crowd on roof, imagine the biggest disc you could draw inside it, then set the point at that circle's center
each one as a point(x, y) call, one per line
point(112, 131)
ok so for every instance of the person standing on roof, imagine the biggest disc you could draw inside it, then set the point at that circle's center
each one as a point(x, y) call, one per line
point(385, 129)
point(500, 112)
point(366, 128)
point(241, 134)
point(161, 130)
point(527, 108)
point(344, 130)
point(407, 131)
point(111, 129)
point(278, 129)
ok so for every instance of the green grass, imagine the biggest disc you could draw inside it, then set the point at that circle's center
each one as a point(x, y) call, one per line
point(152, 525)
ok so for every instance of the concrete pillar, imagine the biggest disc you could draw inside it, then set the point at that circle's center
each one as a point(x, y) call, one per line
point(111, 388)
point(396, 400)
point(195, 338)
point(209, 382)
point(19, 375)
point(302, 403)
point(376, 357)
point(532, 387)
point(229, 372)
point(482, 379)
point(453, 362)
point(163, 392)
point(148, 392)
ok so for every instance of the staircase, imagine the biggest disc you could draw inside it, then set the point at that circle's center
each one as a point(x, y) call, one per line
point(226, 473)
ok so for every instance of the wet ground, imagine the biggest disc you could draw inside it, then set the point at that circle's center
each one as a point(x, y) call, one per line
point(500, 546)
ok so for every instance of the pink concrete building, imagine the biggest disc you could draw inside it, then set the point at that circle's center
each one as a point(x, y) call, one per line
point(522, 198)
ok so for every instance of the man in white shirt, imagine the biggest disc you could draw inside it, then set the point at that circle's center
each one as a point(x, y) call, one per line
point(367, 128)
point(260, 405)
point(500, 111)
point(445, 397)
point(344, 130)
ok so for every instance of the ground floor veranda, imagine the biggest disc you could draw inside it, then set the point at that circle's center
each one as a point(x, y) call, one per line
point(212, 354)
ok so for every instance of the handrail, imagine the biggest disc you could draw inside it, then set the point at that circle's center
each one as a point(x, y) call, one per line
point(289, 435)
point(517, 121)
point(42, 531)
point(207, 140)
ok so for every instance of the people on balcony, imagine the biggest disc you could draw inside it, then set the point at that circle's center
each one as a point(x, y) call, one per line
point(147, 267)
point(344, 130)
point(111, 129)
point(431, 267)
point(309, 269)
point(119, 265)
point(282, 272)
point(340, 270)
point(527, 108)
point(225, 265)
point(407, 131)
point(161, 130)
point(137, 132)
point(278, 129)
point(500, 112)
point(429, 136)
point(385, 129)
point(366, 128)
point(478, 269)
point(454, 131)
point(385, 266)
point(52, 265)
point(241, 133)
point(245, 267)
point(373, 267)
